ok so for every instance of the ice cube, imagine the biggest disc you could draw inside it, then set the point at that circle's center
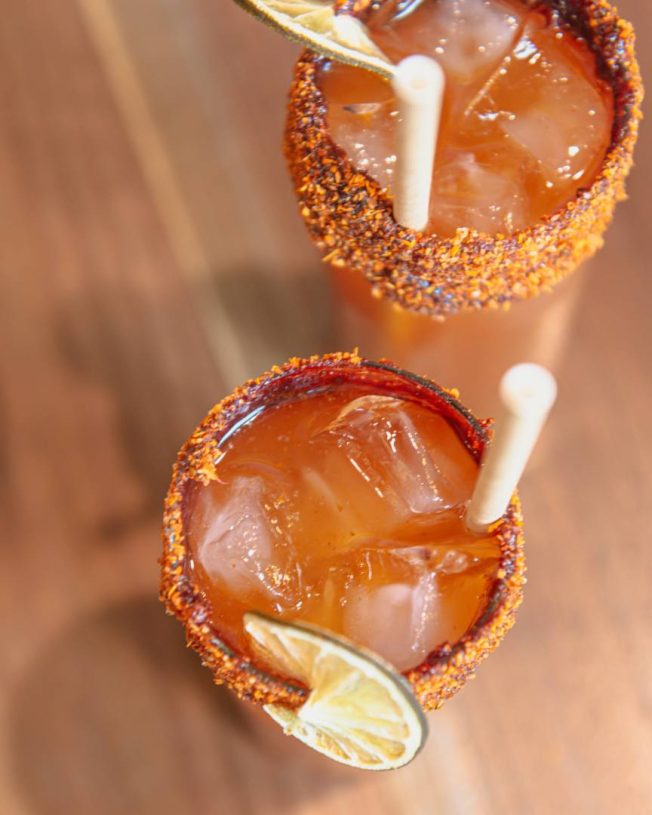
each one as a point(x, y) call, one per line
point(237, 540)
point(362, 119)
point(487, 196)
point(468, 37)
point(398, 621)
point(410, 459)
point(544, 99)
point(405, 601)
point(408, 601)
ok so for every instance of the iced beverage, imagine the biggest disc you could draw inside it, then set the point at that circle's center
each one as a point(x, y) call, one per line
point(332, 491)
point(527, 117)
point(538, 126)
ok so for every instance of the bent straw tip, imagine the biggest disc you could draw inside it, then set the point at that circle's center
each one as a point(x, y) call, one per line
point(528, 390)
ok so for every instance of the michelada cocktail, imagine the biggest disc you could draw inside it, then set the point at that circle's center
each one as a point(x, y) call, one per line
point(527, 117)
point(335, 492)
point(539, 120)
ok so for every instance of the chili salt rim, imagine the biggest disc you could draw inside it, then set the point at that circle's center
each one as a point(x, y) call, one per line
point(350, 217)
point(445, 670)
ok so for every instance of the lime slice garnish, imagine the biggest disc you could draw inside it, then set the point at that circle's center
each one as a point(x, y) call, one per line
point(314, 24)
point(359, 711)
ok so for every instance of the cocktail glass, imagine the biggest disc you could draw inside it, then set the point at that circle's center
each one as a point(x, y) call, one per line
point(439, 303)
point(211, 612)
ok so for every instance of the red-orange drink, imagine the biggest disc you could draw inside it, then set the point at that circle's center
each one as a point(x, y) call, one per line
point(332, 491)
point(343, 507)
point(527, 119)
point(539, 123)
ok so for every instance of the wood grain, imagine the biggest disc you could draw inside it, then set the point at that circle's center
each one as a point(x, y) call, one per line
point(150, 257)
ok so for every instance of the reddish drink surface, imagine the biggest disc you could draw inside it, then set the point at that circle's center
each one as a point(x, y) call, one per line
point(526, 120)
point(343, 508)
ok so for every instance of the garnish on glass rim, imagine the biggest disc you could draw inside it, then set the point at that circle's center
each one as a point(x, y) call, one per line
point(360, 711)
point(315, 24)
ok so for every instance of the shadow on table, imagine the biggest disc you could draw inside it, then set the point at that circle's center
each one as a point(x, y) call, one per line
point(116, 716)
point(146, 367)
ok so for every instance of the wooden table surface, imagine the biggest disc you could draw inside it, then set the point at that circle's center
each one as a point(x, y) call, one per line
point(150, 258)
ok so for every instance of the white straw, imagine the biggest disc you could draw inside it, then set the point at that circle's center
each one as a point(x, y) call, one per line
point(528, 393)
point(419, 87)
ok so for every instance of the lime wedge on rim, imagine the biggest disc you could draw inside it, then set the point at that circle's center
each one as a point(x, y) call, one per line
point(315, 24)
point(359, 711)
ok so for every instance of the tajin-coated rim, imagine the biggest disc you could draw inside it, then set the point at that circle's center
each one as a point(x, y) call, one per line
point(350, 218)
point(446, 669)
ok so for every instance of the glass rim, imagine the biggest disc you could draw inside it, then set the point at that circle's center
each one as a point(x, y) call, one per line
point(349, 216)
point(446, 668)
